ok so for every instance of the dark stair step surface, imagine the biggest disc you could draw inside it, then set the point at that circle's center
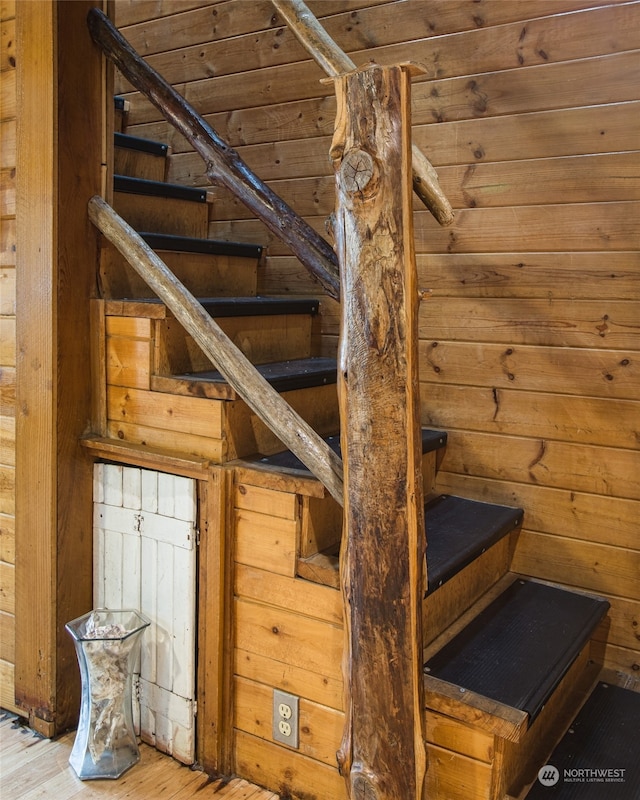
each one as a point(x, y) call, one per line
point(519, 648)
point(246, 307)
point(284, 376)
point(460, 530)
point(141, 186)
point(189, 244)
point(140, 145)
point(599, 757)
point(431, 440)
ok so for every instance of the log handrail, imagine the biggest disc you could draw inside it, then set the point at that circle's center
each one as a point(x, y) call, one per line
point(237, 370)
point(335, 62)
point(224, 165)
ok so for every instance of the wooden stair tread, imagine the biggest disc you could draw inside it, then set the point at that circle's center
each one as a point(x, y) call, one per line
point(460, 530)
point(284, 376)
point(140, 145)
point(516, 651)
point(142, 186)
point(603, 737)
point(218, 307)
point(190, 244)
point(431, 440)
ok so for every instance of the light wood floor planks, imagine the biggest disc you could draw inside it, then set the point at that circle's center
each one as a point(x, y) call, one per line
point(33, 768)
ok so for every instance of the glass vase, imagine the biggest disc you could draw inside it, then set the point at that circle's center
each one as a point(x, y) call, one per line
point(107, 645)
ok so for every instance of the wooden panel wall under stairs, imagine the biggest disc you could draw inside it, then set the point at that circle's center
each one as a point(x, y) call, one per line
point(529, 346)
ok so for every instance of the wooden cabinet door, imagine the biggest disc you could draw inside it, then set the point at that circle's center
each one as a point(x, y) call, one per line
point(145, 558)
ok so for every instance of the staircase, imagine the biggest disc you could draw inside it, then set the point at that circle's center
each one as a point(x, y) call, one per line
point(507, 660)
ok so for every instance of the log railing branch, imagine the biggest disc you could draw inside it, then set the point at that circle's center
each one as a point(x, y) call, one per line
point(224, 165)
point(335, 62)
point(239, 372)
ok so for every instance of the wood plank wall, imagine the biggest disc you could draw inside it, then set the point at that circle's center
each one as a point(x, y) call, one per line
point(7, 349)
point(530, 341)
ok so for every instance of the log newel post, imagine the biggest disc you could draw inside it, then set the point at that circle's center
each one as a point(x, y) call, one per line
point(382, 755)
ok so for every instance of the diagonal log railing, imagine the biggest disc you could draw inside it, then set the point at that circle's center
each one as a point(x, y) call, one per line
point(224, 165)
point(237, 370)
point(335, 62)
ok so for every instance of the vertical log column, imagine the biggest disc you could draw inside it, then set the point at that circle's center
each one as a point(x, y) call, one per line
point(382, 562)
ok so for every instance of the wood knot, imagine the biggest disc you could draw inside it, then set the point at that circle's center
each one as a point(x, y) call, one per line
point(356, 170)
point(364, 789)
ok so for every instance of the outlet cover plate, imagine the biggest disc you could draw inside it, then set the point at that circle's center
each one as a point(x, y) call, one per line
point(286, 728)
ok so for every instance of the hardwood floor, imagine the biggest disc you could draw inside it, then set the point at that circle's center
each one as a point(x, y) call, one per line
point(33, 768)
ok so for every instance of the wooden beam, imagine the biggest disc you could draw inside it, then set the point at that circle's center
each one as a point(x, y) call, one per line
point(383, 755)
point(224, 165)
point(215, 650)
point(334, 62)
point(36, 505)
point(257, 393)
point(58, 169)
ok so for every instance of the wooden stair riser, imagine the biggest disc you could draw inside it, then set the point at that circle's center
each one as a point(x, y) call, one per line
point(145, 353)
point(320, 517)
point(261, 339)
point(454, 776)
point(517, 763)
point(163, 214)
point(444, 606)
point(321, 530)
point(220, 430)
point(203, 274)
point(137, 164)
point(247, 434)
point(129, 350)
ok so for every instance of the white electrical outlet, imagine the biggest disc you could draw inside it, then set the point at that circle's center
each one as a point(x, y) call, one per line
point(285, 718)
